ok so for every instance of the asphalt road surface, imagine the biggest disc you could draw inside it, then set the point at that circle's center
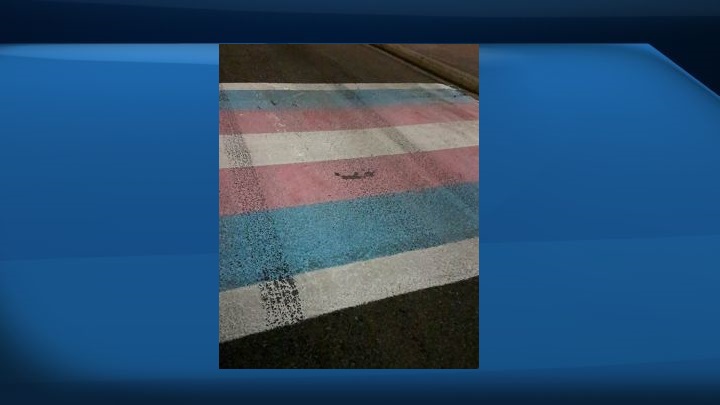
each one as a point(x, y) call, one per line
point(370, 240)
point(463, 57)
point(314, 64)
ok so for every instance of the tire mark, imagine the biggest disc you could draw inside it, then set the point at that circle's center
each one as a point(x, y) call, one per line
point(279, 294)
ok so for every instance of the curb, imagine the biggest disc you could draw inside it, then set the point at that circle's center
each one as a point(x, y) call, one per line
point(444, 71)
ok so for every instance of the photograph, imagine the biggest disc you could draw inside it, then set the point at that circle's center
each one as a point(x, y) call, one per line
point(348, 181)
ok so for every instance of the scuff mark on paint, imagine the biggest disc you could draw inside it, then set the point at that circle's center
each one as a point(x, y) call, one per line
point(280, 297)
point(356, 175)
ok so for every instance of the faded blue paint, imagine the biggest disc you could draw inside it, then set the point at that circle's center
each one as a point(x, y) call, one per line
point(305, 238)
point(281, 99)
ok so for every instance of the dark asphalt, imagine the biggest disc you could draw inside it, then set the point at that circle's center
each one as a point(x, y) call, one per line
point(313, 64)
point(463, 57)
point(433, 328)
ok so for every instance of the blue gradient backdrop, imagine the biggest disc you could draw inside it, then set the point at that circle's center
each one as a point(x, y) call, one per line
point(108, 179)
point(109, 235)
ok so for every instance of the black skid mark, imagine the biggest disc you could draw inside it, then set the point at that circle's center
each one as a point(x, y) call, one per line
point(278, 291)
point(356, 175)
point(281, 297)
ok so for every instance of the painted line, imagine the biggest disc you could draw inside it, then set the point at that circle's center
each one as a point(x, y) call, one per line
point(312, 237)
point(269, 121)
point(331, 86)
point(242, 311)
point(299, 99)
point(303, 147)
point(250, 189)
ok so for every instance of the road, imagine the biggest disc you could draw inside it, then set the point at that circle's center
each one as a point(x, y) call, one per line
point(348, 212)
point(463, 57)
point(313, 64)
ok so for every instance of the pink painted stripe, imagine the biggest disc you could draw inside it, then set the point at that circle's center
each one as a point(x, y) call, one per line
point(250, 189)
point(264, 121)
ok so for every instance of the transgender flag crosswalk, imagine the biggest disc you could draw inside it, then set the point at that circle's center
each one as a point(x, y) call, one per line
point(336, 195)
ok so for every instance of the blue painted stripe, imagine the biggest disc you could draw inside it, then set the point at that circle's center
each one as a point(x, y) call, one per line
point(300, 239)
point(279, 99)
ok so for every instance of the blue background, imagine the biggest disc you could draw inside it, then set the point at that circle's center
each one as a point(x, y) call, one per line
point(108, 226)
point(599, 208)
point(109, 235)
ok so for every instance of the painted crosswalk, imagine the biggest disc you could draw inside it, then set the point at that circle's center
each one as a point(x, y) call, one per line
point(336, 195)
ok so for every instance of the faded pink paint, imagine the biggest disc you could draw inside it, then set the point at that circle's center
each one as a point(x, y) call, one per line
point(256, 122)
point(250, 189)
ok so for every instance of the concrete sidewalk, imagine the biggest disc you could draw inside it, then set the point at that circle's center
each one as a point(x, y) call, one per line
point(455, 63)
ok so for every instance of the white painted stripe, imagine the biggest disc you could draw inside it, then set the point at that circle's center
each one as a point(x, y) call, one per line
point(324, 291)
point(332, 86)
point(302, 147)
